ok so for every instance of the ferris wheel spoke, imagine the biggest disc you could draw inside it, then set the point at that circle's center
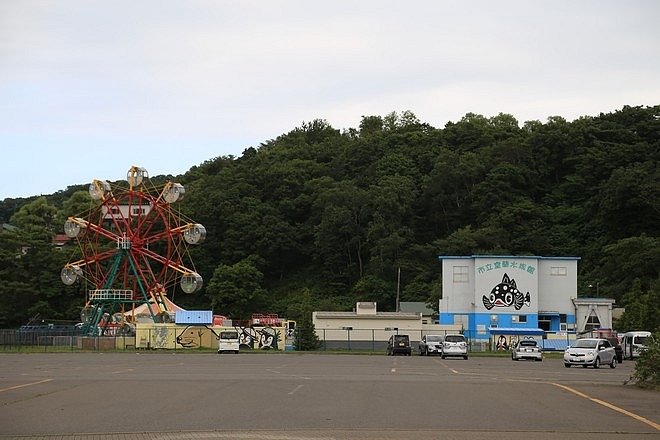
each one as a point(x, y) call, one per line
point(172, 264)
point(132, 240)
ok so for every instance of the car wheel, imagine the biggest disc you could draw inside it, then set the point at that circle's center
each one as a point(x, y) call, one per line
point(465, 357)
point(567, 365)
point(442, 356)
point(538, 359)
point(585, 366)
point(597, 363)
point(613, 363)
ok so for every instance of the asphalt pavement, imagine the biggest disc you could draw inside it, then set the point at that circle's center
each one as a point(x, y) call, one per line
point(165, 395)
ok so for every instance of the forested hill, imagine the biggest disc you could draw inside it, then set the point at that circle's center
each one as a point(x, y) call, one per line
point(321, 218)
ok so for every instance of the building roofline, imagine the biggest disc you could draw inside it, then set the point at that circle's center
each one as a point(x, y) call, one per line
point(378, 315)
point(466, 257)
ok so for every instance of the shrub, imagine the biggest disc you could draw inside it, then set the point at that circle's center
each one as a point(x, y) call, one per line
point(647, 367)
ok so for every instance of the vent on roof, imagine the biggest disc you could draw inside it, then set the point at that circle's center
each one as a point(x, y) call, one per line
point(366, 308)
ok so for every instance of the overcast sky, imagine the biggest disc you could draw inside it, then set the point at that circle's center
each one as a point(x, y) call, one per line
point(89, 88)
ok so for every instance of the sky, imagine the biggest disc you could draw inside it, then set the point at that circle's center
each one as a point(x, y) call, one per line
point(89, 88)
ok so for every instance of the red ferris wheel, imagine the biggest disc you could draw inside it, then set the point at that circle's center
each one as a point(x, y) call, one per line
point(133, 248)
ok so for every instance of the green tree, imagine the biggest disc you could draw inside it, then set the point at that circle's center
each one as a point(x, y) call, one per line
point(306, 337)
point(647, 366)
point(236, 290)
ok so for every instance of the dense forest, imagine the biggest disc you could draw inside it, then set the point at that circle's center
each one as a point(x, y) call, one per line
point(320, 218)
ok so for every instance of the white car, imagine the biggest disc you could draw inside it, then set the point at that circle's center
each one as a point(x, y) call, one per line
point(590, 352)
point(454, 345)
point(228, 342)
point(527, 349)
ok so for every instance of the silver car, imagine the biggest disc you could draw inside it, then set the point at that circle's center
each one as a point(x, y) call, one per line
point(590, 351)
point(430, 344)
point(527, 349)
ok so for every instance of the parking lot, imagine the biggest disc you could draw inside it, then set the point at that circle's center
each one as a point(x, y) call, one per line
point(296, 396)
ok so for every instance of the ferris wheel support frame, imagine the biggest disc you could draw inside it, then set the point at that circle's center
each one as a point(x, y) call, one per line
point(135, 220)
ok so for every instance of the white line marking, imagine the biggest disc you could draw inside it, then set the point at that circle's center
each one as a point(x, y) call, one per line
point(25, 385)
point(610, 406)
point(295, 389)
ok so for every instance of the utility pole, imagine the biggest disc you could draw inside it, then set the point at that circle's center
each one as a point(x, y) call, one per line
point(398, 287)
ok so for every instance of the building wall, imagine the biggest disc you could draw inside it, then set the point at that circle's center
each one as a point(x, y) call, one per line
point(506, 291)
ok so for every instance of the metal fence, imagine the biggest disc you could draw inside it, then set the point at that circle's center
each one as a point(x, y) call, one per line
point(348, 338)
point(60, 340)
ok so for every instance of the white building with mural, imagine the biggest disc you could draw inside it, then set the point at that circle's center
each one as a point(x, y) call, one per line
point(526, 295)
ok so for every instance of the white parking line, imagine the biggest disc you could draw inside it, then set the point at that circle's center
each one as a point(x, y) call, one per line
point(295, 389)
point(25, 385)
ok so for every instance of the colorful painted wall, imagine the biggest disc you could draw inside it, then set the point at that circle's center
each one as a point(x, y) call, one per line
point(479, 292)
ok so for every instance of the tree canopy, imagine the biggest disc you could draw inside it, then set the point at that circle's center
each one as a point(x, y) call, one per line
point(335, 214)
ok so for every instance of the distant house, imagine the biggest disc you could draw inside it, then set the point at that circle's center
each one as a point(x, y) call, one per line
point(60, 240)
point(365, 327)
point(429, 316)
point(9, 228)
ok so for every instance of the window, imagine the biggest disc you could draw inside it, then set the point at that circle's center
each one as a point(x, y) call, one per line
point(519, 318)
point(558, 271)
point(592, 323)
point(460, 274)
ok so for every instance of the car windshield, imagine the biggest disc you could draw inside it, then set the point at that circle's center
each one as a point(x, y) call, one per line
point(641, 340)
point(228, 335)
point(528, 343)
point(454, 338)
point(401, 338)
point(434, 339)
point(585, 343)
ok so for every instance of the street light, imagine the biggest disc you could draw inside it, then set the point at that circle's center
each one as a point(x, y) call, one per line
point(591, 286)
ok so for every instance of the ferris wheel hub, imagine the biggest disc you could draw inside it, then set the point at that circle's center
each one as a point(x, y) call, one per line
point(133, 245)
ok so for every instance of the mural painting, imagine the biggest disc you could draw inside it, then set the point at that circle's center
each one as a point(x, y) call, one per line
point(262, 338)
point(506, 294)
point(502, 344)
point(195, 336)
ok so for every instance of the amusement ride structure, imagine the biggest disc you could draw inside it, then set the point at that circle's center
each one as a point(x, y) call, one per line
point(133, 247)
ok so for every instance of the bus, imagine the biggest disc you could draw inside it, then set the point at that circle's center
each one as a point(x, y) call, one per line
point(633, 343)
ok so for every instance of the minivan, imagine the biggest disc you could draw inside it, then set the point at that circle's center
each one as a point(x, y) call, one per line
point(228, 341)
point(633, 343)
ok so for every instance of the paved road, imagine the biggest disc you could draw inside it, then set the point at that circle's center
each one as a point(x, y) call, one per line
point(316, 396)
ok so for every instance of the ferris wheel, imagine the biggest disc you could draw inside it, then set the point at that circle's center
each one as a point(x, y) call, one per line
point(133, 247)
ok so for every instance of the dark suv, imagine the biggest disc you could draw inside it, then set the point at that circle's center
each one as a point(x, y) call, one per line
point(399, 344)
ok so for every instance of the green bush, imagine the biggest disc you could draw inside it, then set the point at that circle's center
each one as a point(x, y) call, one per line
point(647, 367)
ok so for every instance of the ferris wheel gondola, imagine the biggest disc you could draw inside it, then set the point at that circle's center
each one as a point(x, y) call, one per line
point(133, 247)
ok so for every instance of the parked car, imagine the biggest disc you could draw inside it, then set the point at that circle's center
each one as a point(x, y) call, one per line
point(590, 351)
point(634, 343)
point(228, 342)
point(618, 349)
point(527, 349)
point(430, 344)
point(454, 345)
point(399, 344)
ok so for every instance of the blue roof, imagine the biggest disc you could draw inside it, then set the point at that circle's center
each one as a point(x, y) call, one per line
point(516, 331)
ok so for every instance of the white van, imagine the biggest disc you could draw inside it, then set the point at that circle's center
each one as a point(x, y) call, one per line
point(633, 343)
point(228, 341)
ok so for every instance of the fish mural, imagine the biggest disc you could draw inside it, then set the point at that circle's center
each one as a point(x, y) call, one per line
point(506, 294)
